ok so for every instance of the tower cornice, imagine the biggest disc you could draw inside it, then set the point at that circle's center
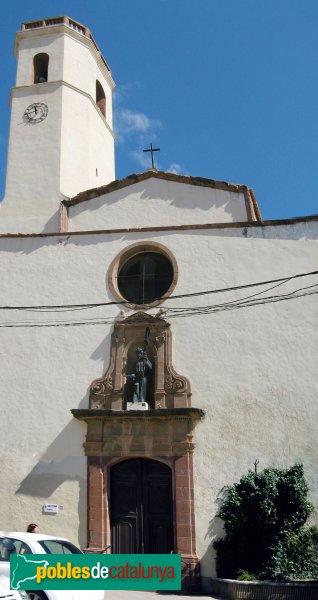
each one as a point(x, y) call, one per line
point(64, 29)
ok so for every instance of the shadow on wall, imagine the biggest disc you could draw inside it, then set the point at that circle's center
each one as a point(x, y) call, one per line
point(53, 224)
point(173, 194)
point(59, 464)
point(256, 232)
point(215, 531)
point(101, 353)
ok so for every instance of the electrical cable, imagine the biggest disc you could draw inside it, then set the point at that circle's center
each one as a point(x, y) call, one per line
point(242, 303)
point(84, 306)
point(184, 312)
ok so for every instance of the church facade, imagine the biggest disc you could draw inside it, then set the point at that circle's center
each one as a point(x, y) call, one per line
point(158, 337)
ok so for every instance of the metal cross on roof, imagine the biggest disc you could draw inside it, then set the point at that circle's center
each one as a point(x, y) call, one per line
point(152, 150)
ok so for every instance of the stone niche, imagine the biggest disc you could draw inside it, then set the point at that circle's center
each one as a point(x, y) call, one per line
point(166, 388)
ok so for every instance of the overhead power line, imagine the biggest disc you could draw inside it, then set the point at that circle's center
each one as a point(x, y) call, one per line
point(183, 312)
point(242, 303)
point(83, 306)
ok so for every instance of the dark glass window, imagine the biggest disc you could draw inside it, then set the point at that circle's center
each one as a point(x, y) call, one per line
point(9, 546)
point(145, 277)
point(59, 547)
point(41, 65)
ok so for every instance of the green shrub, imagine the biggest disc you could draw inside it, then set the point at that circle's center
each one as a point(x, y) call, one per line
point(245, 576)
point(264, 516)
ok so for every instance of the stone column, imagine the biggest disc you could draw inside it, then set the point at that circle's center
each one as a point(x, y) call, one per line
point(185, 522)
point(96, 504)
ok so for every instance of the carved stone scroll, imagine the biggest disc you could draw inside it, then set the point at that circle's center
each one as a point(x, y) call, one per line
point(169, 388)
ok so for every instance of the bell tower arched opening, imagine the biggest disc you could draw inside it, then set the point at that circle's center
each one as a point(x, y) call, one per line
point(40, 67)
point(100, 98)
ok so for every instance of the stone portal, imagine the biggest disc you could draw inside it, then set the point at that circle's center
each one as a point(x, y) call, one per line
point(149, 449)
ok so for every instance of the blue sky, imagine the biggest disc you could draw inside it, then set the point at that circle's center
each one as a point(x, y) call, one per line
point(228, 89)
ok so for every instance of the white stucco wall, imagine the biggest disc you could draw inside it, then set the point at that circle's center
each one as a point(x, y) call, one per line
point(32, 42)
point(154, 202)
point(81, 69)
point(33, 168)
point(253, 370)
point(87, 144)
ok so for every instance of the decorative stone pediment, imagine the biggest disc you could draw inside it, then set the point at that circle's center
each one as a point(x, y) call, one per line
point(166, 387)
point(160, 432)
point(141, 317)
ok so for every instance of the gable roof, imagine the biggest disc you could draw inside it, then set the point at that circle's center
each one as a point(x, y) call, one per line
point(250, 199)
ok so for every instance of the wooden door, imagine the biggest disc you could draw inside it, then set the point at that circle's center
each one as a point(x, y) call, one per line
point(141, 507)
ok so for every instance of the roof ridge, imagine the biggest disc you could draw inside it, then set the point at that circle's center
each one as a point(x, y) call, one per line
point(137, 177)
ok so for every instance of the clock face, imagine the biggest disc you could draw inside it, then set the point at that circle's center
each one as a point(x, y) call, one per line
point(35, 113)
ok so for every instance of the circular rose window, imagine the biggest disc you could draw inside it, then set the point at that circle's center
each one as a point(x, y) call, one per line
point(144, 274)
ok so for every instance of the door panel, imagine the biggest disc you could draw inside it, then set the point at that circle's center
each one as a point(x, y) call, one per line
point(141, 507)
point(124, 534)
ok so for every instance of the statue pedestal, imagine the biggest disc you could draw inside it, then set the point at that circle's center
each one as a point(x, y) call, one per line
point(137, 406)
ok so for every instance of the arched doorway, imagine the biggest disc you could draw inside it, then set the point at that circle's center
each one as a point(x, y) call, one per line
point(141, 512)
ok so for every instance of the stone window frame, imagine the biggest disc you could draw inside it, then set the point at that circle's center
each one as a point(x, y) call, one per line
point(129, 252)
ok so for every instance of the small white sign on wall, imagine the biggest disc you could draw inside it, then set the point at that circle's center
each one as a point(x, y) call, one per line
point(50, 508)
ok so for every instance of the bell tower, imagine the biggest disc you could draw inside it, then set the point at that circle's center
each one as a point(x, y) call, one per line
point(61, 140)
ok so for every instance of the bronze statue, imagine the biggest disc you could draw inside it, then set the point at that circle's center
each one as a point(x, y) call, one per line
point(139, 377)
